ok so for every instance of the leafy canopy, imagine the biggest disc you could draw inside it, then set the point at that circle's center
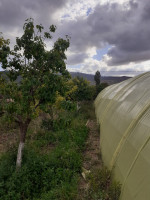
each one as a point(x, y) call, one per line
point(3, 44)
point(42, 72)
point(82, 90)
point(97, 78)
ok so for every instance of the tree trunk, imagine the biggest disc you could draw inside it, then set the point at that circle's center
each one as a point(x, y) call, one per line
point(78, 106)
point(19, 155)
point(23, 131)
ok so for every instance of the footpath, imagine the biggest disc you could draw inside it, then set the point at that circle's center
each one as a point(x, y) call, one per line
point(91, 156)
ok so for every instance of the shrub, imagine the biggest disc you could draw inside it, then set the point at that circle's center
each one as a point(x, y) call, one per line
point(102, 186)
point(46, 176)
point(39, 174)
point(100, 87)
point(84, 90)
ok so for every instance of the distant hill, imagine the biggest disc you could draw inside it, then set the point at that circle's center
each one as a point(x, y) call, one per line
point(90, 77)
point(109, 79)
point(4, 75)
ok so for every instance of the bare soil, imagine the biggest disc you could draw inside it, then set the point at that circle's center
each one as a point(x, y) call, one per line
point(7, 139)
point(91, 155)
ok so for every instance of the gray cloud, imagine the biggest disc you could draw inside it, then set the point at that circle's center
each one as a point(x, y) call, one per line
point(77, 58)
point(14, 13)
point(118, 56)
point(132, 42)
point(126, 27)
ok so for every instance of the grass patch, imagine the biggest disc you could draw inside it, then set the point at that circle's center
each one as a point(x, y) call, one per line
point(102, 186)
point(39, 174)
point(88, 110)
point(50, 175)
point(52, 163)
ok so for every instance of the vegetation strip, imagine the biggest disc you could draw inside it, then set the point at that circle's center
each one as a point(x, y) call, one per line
point(45, 173)
point(96, 182)
point(48, 110)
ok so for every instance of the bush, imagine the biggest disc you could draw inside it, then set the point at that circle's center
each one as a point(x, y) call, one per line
point(57, 124)
point(45, 176)
point(39, 174)
point(100, 87)
point(66, 191)
point(84, 90)
point(102, 186)
point(100, 179)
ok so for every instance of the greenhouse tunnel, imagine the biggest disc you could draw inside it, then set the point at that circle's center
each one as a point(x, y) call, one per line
point(123, 112)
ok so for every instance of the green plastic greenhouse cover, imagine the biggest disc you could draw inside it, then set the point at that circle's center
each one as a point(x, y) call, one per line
point(123, 111)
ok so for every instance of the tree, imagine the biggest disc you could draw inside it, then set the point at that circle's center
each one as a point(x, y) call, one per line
point(97, 78)
point(83, 91)
point(3, 41)
point(3, 44)
point(101, 87)
point(42, 73)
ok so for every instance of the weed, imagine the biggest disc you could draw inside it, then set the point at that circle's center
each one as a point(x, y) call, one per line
point(39, 173)
point(114, 190)
point(102, 187)
point(87, 108)
point(52, 175)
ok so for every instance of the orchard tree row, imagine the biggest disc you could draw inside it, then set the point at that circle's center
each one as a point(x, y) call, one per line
point(44, 78)
point(42, 73)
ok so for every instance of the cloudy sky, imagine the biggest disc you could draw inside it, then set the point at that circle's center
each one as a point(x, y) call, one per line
point(112, 36)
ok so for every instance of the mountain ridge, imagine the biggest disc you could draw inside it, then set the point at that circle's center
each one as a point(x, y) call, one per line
point(90, 77)
point(109, 79)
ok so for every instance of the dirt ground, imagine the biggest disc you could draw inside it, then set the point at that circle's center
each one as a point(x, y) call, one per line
point(91, 155)
point(7, 139)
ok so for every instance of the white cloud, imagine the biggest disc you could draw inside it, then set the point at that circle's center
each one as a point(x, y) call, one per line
point(92, 24)
point(91, 65)
point(79, 8)
point(91, 52)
